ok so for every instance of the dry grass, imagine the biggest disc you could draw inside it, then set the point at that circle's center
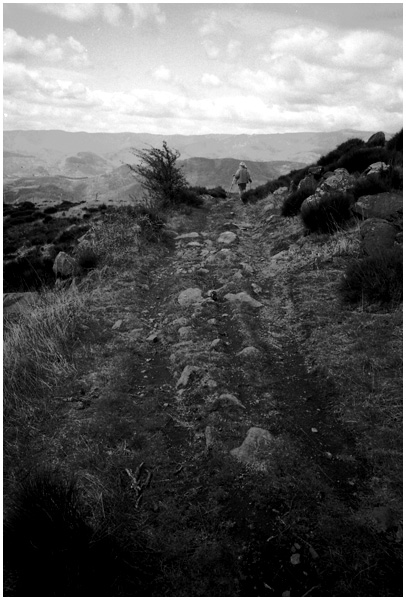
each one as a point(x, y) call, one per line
point(38, 348)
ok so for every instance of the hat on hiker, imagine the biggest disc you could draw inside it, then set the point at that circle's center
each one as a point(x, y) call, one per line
point(243, 165)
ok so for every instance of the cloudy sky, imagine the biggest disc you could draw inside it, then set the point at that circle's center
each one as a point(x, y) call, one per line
point(202, 68)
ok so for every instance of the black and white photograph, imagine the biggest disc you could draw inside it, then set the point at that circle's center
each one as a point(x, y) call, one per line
point(203, 299)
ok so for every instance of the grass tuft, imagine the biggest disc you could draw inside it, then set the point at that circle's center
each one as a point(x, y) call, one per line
point(329, 213)
point(375, 279)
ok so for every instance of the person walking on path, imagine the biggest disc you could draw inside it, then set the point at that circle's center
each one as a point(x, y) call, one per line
point(242, 177)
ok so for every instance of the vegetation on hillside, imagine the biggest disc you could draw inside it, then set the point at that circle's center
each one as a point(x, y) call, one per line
point(162, 180)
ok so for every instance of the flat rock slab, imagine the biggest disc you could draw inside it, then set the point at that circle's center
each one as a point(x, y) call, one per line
point(256, 448)
point(190, 296)
point(243, 297)
point(227, 237)
point(193, 235)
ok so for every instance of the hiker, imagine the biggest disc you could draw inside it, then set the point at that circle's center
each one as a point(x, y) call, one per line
point(243, 177)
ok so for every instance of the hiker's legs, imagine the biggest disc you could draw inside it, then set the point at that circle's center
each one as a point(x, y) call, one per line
point(242, 187)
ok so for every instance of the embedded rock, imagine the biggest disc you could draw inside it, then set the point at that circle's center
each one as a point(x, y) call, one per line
point(190, 296)
point(256, 448)
point(65, 265)
point(188, 236)
point(187, 372)
point(377, 235)
point(376, 168)
point(249, 352)
point(244, 298)
point(388, 205)
point(227, 237)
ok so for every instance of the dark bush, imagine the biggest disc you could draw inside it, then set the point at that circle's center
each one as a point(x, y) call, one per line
point(51, 550)
point(50, 210)
point(332, 157)
point(329, 213)
point(150, 220)
point(188, 197)
point(375, 279)
point(217, 192)
point(370, 185)
point(294, 201)
point(25, 274)
point(396, 142)
point(358, 159)
point(87, 258)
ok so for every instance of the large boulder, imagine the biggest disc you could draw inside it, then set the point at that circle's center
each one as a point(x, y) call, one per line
point(65, 265)
point(377, 139)
point(388, 205)
point(377, 235)
point(339, 181)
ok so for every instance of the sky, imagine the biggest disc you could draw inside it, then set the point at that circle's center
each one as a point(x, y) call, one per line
point(190, 68)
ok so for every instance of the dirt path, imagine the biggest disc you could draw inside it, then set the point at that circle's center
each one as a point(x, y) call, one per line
point(177, 381)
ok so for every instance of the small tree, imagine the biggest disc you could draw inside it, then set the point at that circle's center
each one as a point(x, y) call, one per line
point(159, 175)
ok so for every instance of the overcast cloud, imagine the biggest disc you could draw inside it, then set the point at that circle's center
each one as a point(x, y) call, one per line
point(203, 68)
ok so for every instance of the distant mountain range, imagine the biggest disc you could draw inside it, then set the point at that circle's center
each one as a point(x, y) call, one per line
point(97, 161)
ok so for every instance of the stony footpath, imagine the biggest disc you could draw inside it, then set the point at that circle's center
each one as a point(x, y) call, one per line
point(190, 364)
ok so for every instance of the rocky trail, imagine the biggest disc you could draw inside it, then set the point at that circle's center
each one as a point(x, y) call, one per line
point(190, 365)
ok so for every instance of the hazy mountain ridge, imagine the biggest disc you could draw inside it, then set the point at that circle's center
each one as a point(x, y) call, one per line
point(54, 145)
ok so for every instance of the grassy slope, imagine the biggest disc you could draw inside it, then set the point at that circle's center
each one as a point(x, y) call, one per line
point(220, 528)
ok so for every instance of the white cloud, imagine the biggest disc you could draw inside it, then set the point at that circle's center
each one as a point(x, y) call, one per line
point(112, 13)
point(162, 74)
point(70, 12)
point(211, 25)
point(51, 49)
point(210, 80)
point(233, 49)
point(150, 13)
point(211, 49)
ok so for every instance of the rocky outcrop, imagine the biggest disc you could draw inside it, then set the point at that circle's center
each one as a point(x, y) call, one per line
point(339, 181)
point(377, 139)
point(377, 235)
point(376, 168)
point(388, 205)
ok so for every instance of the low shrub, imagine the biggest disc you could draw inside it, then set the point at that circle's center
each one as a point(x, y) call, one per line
point(329, 213)
point(189, 197)
point(375, 279)
point(395, 144)
point(358, 159)
point(330, 159)
point(217, 192)
point(370, 185)
point(291, 205)
point(87, 258)
point(151, 222)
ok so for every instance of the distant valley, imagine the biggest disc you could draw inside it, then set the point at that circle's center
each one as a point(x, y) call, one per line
point(92, 167)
